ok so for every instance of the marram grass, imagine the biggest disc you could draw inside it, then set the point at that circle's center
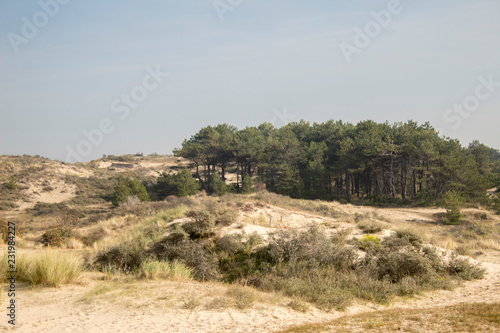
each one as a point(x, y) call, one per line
point(154, 270)
point(46, 269)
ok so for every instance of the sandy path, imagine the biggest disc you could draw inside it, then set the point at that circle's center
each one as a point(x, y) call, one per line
point(159, 306)
point(61, 310)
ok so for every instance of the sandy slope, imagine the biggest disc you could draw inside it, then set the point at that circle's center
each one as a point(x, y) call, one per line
point(158, 307)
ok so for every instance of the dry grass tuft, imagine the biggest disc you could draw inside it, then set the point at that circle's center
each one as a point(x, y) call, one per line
point(47, 269)
point(477, 317)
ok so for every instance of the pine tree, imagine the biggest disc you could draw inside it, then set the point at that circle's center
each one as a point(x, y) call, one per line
point(186, 184)
point(247, 185)
point(127, 187)
point(452, 201)
point(218, 185)
point(182, 184)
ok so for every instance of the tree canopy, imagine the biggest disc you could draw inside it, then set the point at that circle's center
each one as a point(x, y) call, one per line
point(332, 160)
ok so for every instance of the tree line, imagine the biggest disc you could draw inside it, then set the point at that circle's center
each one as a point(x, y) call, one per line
point(336, 160)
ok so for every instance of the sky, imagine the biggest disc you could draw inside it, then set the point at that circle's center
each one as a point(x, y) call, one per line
point(79, 79)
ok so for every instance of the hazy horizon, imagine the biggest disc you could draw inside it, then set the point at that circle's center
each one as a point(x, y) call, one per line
point(148, 75)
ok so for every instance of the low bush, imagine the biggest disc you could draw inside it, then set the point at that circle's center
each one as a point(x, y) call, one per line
point(93, 236)
point(182, 184)
point(202, 226)
point(370, 227)
point(122, 258)
point(43, 208)
point(463, 269)
point(56, 236)
point(243, 297)
point(61, 231)
point(8, 205)
point(130, 201)
point(231, 244)
point(193, 254)
point(224, 215)
point(12, 183)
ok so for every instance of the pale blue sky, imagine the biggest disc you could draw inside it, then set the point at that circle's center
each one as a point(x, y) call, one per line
point(264, 55)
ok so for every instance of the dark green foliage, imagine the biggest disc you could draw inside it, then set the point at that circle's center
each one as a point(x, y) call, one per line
point(496, 204)
point(122, 158)
point(12, 183)
point(399, 163)
point(247, 185)
point(218, 185)
point(452, 202)
point(182, 184)
point(128, 187)
point(288, 183)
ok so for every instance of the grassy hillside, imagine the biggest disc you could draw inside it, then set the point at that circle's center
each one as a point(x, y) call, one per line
point(247, 254)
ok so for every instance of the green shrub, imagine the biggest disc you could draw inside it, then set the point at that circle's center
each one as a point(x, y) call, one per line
point(12, 183)
point(496, 204)
point(128, 187)
point(202, 226)
point(62, 231)
point(224, 215)
point(247, 185)
point(231, 244)
point(463, 269)
point(370, 227)
point(452, 201)
point(394, 266)
point(56, 236)
point(217, 185)
point(191, 253)
point(182, 184)
point(122, 258)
